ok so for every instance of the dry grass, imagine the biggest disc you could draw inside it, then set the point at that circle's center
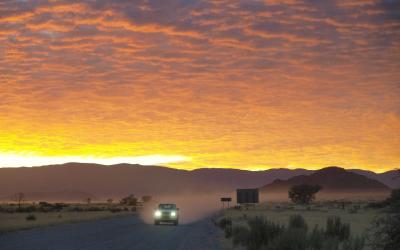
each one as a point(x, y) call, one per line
point(314, 215)
point(17, 221)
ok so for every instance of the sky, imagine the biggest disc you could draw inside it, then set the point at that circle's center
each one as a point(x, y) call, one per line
point(191, 83)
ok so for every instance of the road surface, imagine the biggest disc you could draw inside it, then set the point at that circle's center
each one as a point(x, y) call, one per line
point(117, 233)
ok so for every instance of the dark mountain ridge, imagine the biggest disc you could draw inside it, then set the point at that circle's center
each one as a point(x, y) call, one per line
point(75, 181)
point(332, 179)
point(122, 179)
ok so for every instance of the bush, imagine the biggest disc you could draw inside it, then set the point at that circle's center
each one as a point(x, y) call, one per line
point(240, 235)
point(27, 209)
point(224, 222)
point(226, 225)
point(263, 234)
point(335, 228)
point(95, 209)
point(297, 222)
point(115, 210)
point(228, 232)
point(384, 233)
point(331, 243)
point(291, 239)
point(394, 200)
point(76, 209)
point(316, 238)
point(30, 217)
point(354, 244)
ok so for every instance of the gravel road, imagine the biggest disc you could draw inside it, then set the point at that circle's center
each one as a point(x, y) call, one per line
point(118, 233)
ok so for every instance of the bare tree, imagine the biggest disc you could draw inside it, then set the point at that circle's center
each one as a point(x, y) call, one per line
point(19, 198)
point(110, 201)
point(88, 200)
point(130, 200)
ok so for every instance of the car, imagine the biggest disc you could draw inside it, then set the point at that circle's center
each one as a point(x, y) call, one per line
point(166, 213)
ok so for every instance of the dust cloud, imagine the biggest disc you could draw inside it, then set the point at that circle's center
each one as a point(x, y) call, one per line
point(192, 207)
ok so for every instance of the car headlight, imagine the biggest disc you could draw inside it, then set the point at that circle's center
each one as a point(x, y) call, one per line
point(173, 214)
point(157, 213)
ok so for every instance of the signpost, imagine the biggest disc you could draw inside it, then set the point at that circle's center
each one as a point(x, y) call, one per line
point(225, 200)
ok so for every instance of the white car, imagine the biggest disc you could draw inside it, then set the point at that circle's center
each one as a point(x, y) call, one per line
point(166, 213)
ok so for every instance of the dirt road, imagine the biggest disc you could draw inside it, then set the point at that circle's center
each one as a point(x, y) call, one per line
point(119, 233)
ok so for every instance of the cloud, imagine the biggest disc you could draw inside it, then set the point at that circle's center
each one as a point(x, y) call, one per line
point(246, 84)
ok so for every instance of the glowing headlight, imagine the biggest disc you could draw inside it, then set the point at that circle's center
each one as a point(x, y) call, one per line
point(157, 213)
point(173, 214)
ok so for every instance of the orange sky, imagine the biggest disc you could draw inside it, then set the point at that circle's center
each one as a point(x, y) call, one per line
point(189, 84)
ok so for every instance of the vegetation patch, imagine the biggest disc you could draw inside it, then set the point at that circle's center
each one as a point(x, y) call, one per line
point(260, 233)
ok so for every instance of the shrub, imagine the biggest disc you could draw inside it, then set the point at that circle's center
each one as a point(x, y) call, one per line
point(357, 243)
point(30, 217)
point(384, 233)
point(115, 210)
point(291, 239)
point(297, 222)
point(262, 232)
point(394, 200)
point(226, 225)
point(240, 235)
point(331, 243)
point(224, 222)
point(228, 232)
point(335, 228)
point(27, 209)
point(95, 209)
point(76, 209)
point(316, 238)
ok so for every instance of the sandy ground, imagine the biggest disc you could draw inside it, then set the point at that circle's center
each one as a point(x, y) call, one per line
point(17, 221)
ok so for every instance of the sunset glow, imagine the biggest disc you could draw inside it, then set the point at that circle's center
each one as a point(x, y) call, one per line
point(189, 84)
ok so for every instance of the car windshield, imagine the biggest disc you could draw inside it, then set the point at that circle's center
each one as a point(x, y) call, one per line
point(167, 206)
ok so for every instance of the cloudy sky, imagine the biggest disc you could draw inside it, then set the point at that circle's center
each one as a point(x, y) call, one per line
point(192, 83)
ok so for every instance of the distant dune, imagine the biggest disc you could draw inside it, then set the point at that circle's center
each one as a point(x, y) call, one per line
point(77, 181)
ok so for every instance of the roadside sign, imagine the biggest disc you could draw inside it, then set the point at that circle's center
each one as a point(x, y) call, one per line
point(225, 200)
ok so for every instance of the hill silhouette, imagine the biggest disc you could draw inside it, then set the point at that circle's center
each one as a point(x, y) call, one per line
point(334, 180)
point(76, 181)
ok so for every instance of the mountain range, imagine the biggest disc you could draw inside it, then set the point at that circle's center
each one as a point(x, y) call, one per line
point(76, 181)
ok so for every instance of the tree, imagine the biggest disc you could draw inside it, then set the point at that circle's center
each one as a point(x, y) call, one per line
point(146, 198)
point(88, 200)
point(110, 201)
point(394, 200)
point(19, 198)
point(304, 193)
point(130, 200)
